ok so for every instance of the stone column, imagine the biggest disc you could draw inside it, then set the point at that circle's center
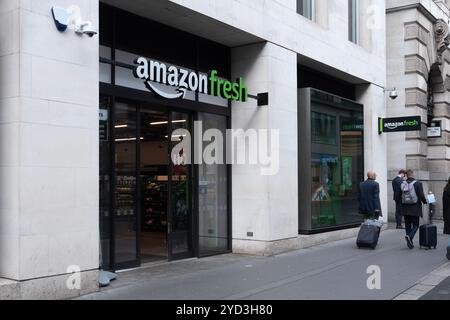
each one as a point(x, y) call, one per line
point(411, 56)
point(49, 150)
point(265, 208)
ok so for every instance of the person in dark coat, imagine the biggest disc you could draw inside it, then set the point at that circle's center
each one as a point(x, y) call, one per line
point(446, 211)
point(396, 187)
point(369, 197)
point(413, 212)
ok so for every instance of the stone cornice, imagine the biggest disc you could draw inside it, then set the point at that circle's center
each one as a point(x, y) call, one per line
point(417, 6)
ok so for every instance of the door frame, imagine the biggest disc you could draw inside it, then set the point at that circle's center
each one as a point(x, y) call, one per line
point(137, 262)
point(192, 234)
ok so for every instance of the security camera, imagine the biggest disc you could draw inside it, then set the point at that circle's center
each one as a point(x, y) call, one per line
point(393, 94)
point(86, 28)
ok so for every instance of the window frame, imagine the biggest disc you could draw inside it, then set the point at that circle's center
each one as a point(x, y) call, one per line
point(307, 9)
point(353, 21)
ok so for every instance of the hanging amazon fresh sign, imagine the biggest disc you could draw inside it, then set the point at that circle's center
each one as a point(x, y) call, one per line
point(400, 124)
point(171, 82)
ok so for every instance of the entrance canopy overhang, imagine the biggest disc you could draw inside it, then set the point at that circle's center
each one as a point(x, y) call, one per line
point(179, 17)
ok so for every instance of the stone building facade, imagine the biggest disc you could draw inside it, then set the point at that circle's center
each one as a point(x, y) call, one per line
point(418, 66)
point(51, 89)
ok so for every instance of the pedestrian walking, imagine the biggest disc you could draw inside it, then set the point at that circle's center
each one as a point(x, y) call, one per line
point(369, 197)
point(370, 207)
point(412, 199)
point(446, 211)
point(397, 188)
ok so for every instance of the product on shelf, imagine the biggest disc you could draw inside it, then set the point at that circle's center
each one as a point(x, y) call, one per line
point(125, 195)
point(154, 205)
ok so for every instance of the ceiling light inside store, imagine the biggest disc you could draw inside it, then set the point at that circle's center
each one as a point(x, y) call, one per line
point(176, 136)
point(127, 139)
point(166, 122)
point(120, 126)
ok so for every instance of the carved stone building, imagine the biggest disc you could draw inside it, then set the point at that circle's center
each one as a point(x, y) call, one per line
point(418, 66)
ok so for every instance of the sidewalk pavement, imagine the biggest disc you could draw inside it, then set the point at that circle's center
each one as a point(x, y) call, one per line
point(332, 271)
point(440, 292)
point(435, 286)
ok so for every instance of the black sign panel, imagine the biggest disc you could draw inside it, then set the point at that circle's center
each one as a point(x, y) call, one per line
point(401, 124)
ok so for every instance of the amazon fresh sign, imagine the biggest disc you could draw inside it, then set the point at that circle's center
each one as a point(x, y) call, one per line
point(154, 72)
point(402, 124)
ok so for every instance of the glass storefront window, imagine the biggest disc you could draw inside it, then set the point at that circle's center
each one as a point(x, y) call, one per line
point(331, 135)
point(213, 195)
point(323, 128)
point(336, 166)
point(105, 73)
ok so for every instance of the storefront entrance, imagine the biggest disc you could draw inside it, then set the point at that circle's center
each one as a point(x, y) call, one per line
point(155, 204)
point(152, 194)
point(166, 187)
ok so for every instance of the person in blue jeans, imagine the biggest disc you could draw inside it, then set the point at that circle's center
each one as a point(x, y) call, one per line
point(412, 212)
point(446, 212)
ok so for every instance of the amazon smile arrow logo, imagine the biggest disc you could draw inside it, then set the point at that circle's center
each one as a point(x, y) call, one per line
point(180, 92)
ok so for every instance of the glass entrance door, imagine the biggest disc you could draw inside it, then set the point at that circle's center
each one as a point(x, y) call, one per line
point(154, 177)
point(152, 211)
point(125, 218)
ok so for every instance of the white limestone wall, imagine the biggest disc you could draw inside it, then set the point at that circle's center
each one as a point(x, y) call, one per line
point(49, 142)
point(375, 145)
point(9, 181)
point(266, 206)
point(325, 40)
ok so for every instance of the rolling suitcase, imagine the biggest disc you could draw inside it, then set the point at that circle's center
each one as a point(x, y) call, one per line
point(368, 236)
point(448, 250)
point(428, 236)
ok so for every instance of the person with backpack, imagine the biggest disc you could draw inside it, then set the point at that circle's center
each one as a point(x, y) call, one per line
point(412, 199)
point(396, 187)
point(446, 210)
